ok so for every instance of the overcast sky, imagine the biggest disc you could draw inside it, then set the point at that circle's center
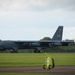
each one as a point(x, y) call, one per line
point(35, 19)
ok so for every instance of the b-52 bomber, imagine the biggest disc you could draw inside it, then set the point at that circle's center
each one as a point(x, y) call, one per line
point(15, 45)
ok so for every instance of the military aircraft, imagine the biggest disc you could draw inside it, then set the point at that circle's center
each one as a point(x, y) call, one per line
point(15, 45)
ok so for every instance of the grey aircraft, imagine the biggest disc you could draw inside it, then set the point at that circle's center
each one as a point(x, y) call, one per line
point(15, 45)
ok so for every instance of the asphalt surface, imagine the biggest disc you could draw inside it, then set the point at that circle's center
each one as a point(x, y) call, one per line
point(58, 70)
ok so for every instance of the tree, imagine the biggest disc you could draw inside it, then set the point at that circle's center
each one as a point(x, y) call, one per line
point(46, 38)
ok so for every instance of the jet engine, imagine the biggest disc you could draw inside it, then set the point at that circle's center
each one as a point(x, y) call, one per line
point(65, 44)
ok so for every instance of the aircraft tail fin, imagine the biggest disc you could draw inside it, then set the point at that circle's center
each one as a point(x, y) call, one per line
point(58, 33)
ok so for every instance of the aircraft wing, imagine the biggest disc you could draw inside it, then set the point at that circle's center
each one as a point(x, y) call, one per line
point(20, 42)
point(27, 43)
point(56, 43)
point(44, 42)
point(41, 41)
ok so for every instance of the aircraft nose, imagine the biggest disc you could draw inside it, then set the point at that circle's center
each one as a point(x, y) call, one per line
point(0, 43)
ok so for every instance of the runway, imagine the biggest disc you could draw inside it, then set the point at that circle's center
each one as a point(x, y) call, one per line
point(58, 70)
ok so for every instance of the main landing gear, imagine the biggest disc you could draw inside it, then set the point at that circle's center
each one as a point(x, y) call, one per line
point(14, 50)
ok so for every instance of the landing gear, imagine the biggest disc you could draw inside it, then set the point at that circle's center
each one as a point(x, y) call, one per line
point(37, 50)
point(14, 50)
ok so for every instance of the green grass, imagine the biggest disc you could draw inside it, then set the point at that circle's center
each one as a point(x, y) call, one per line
point(35, 59)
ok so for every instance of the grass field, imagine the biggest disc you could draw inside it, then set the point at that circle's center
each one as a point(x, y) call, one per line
point(35, 59)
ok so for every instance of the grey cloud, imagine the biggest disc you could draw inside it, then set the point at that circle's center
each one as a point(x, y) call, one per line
point(36, 5)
